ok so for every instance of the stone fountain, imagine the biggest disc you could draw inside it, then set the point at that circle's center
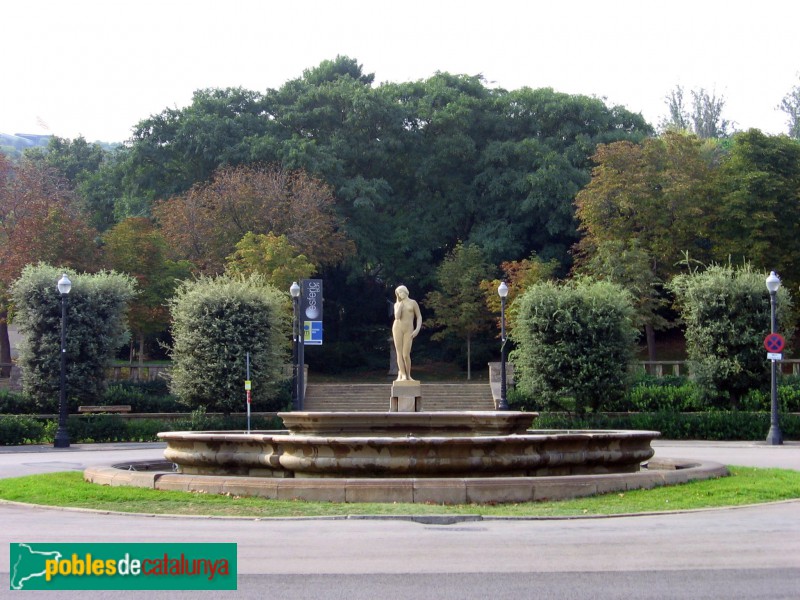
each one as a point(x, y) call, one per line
point(407, 454)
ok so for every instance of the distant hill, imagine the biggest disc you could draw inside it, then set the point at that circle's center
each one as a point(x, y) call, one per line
point(15, 145)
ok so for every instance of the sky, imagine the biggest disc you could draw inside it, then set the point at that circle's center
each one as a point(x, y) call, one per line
point(95, 68)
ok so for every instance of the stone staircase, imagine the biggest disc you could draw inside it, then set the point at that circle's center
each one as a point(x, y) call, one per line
point(361, 397)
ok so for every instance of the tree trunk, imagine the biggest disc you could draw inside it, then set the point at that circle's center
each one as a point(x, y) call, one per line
point(5, 343)
point(650, 336)
point(469, 360)
point(141, 349)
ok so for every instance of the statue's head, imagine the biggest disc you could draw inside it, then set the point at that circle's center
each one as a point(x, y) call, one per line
point(401, 292)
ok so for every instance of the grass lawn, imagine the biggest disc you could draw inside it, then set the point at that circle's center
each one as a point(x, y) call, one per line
point(745, 486)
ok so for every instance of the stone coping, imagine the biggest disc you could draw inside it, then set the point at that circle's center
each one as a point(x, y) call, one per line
point(403, 423)
point(464, 490)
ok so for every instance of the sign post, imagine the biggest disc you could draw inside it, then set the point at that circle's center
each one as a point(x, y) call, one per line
point(310, 333)
point(247, 386)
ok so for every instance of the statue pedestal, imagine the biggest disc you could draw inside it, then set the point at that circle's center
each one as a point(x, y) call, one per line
point(406, 397)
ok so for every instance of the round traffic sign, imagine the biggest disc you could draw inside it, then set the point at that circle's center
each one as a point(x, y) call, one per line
point(774, 342)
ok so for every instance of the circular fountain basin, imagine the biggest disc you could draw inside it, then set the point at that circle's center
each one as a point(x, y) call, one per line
point(397, 444)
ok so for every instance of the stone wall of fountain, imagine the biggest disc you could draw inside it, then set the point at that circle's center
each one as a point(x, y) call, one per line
point(408, 444)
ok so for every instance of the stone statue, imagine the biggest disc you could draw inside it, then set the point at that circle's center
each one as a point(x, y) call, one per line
point(404, 330)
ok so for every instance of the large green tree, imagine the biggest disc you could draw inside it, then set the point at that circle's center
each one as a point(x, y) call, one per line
point(757, 217)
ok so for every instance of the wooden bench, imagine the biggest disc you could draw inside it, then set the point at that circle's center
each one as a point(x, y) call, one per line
point(117, 408)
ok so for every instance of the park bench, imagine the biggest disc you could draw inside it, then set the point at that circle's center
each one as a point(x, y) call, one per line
point(117, 408)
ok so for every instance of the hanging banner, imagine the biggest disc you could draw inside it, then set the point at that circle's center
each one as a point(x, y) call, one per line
point(311, 311)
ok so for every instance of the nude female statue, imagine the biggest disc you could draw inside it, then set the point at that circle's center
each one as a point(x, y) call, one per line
point(404, 330)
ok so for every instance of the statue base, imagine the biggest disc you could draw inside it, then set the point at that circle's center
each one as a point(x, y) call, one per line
point(406, 396)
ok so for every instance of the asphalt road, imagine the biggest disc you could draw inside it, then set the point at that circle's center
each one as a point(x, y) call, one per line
point(750, 552)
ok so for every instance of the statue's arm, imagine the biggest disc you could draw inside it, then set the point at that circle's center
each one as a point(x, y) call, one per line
point(418, 317)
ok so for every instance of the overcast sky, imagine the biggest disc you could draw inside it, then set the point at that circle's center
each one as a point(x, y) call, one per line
point(97, 67)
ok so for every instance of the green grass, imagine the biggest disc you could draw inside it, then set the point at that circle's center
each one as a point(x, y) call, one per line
point(745, 486)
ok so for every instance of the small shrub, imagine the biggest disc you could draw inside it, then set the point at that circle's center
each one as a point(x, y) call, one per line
point(16, 430)
point(140, 401)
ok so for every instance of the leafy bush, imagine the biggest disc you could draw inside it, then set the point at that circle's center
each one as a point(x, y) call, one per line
point(15, 403)
point(713, 425)
point(95, 329)
point(139, 400)
point(657, 398)
point(574, 343)
point(16, 430)
point(727, 315)
point(216, 322)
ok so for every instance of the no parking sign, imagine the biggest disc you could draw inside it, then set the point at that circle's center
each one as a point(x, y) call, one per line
point(774, 344)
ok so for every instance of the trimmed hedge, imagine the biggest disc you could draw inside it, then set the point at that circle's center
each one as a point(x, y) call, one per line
point(712, 425)
point(717, 425)
point(16, 430)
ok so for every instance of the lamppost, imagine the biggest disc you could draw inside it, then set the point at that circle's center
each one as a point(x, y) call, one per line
point(297, 349)
point(64, 285)
point(502, 290)
point(774, 436)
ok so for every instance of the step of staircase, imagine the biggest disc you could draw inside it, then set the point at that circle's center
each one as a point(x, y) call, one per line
point(361, 397)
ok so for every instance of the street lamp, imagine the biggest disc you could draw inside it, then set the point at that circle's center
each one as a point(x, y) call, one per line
point(502, 291)
point(64, 285)
point(774, 436)
point(297, 350)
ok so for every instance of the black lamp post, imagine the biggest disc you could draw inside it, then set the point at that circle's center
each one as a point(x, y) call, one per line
point(297, 350)
point(774, 436)
point(502, 290)
point(64, 285)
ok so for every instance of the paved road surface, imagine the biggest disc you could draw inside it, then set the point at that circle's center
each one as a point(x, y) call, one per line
point(751, 552)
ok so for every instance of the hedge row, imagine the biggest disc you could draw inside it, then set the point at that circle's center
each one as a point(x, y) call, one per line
point(713, 425)
point(17, 430)
point(719, 425)
point(142, 397)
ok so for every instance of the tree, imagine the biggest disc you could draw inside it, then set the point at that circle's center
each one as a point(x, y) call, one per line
point(727, 314)
point(574, 344)
point(205, 224)
point(518, 275)
point(707, 118)
point(39, 222)
point(271, 256)
point(648, 204)
point(677, 118)
point(757, 215)
point(95, 330)
point(791, 106)
point(178, 148)
point(137, 248)
point(216, 323)
point(630, 267)
point(73, 159)
point(459, 305)
point(703, 118)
